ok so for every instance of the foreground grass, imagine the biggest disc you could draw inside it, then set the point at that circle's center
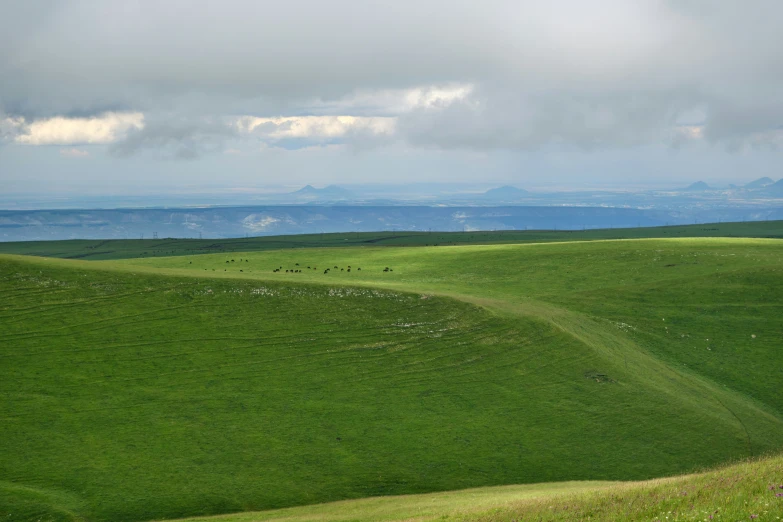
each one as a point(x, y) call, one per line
point(429, 506)
point(746, 491)
point(170, 387)
point(133, 248)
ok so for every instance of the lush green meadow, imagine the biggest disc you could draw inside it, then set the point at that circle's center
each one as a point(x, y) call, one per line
point(708, 306)
point(166, 247)
point(161, 387)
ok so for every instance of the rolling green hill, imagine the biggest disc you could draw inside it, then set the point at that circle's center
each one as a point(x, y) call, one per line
point(164, 387)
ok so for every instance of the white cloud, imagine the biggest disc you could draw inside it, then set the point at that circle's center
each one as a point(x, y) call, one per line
point(436, 97)
point(259, 222)
point(364, 114)
point(315, 127)
point(74, 153)
point(105, 128)
point(391, 102)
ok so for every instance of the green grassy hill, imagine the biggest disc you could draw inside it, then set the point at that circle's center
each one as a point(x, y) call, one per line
point(156, 388)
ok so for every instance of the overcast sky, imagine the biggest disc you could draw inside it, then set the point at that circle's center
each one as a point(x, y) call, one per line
point(126, 94)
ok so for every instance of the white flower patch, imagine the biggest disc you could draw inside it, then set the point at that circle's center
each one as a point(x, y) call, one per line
point(264, 291)
point(625, 327)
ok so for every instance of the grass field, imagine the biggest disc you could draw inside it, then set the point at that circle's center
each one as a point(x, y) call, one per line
point(744, 491)
point(124, 249)
point(166, 387)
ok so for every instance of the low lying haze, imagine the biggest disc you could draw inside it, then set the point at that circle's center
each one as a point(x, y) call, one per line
point(136, 95)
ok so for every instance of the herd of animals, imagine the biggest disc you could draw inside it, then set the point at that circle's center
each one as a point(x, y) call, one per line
point(298, 270)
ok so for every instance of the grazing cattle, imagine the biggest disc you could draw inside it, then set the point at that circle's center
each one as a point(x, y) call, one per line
point(241, 270)
point(335, 266)
point(349, 270)
point(342, 269)
point(358, 269)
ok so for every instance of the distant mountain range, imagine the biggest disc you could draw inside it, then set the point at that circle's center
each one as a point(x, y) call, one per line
point(765, 184)
point(330, 193)
point(760, 183)
point(699, 186)
point(775, 189)
point(506, 193)
point(220, 222)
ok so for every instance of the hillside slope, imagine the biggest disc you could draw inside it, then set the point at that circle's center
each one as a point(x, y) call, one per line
point(722, 297)
point(159, 388)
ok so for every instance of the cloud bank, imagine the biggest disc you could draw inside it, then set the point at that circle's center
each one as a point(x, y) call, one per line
point(516, 75)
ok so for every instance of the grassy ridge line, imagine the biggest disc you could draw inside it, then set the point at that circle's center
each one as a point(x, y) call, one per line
point(623, 355)
point(744, 491)
point(133, 248)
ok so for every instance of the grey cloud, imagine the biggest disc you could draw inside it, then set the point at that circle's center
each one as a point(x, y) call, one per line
point(494, 118)
point(7, 129)
point(615, 73)
point(175, 139)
